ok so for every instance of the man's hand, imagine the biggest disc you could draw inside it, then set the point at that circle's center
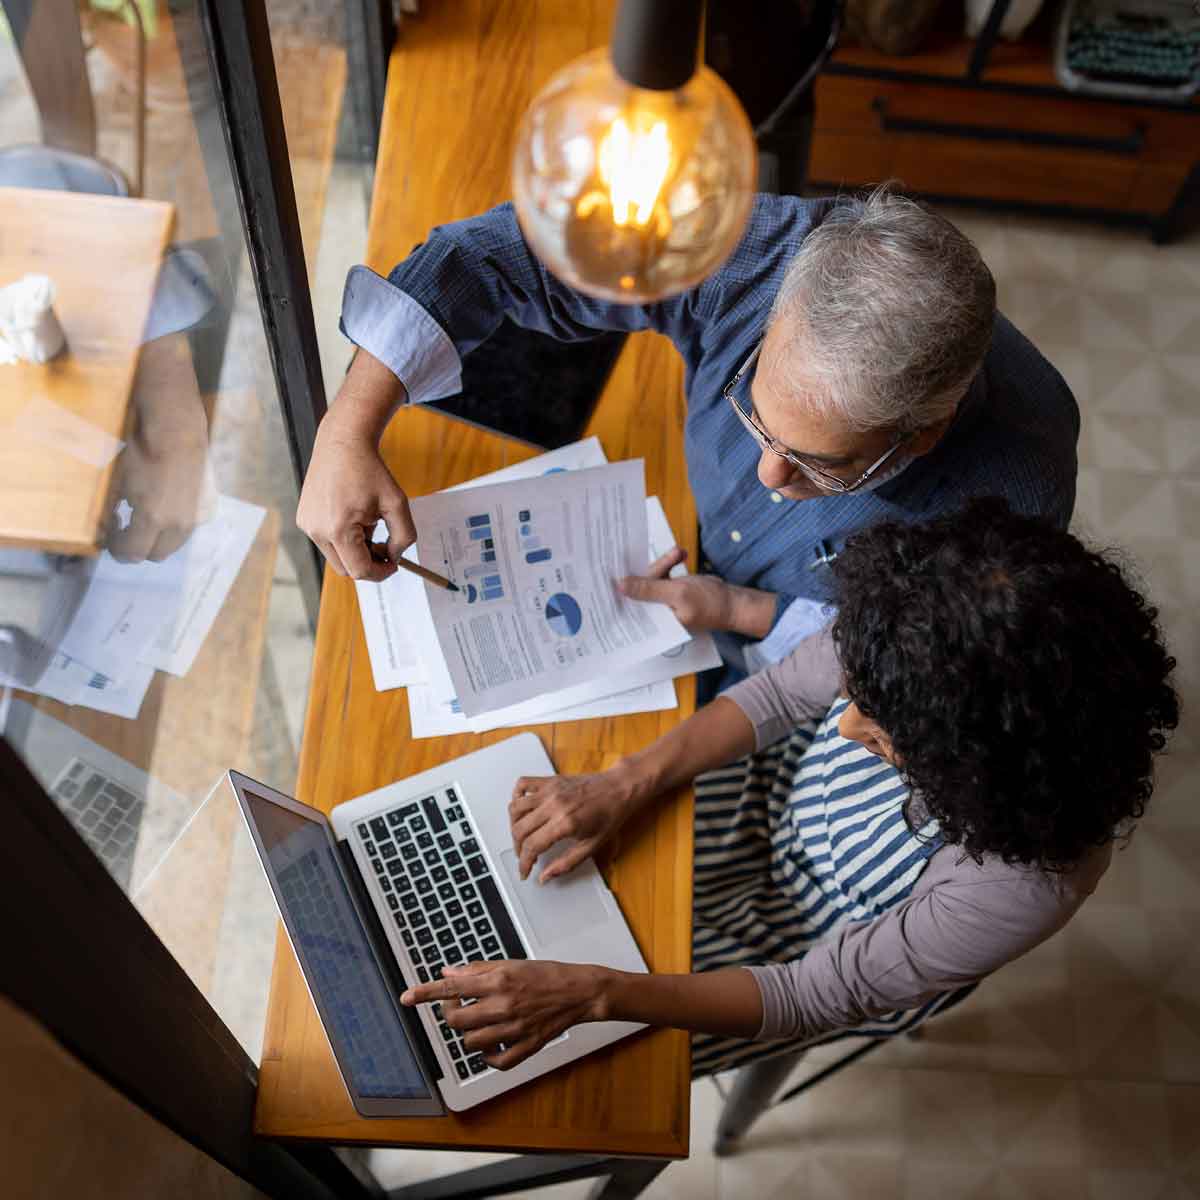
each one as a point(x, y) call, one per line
point(163, 474)
point(702, 602)
point(519, 1006)
point(348, 488)
point(588, 808)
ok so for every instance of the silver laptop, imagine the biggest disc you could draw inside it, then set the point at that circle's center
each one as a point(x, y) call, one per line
point(400, 883)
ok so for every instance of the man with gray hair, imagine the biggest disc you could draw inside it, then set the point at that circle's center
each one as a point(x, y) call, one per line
point(848, 356)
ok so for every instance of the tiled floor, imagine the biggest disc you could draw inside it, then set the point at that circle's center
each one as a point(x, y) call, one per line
point(1074, 1072)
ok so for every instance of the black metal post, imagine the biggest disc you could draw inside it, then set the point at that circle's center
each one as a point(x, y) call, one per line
point(370, 35)
point(987, 39)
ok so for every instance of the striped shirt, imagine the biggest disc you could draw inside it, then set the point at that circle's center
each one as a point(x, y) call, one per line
point(1014, 434)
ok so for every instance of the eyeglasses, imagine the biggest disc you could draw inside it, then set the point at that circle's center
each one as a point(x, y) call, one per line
point(814, 474)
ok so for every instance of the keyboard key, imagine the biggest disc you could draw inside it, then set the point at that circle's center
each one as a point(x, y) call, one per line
point(455, 1051)
point(422, 975)
point(466, 828)
point(413, 952)
point(468, 945)
point(403, 883)
point(395, 867)
point(409, 938)
point(432, 859)
point(474, 909)
point(393, 903)
point(388, 849)
point(445, 939)
point(462, 926)
point(394, 819)
point(379, 829)
point(483, 928)
point(469, 846)
point(495, 957)
point(454, 814)
point(447, 892)
point(477, 866)
point(369, 847)
point(409, 851)
point(364, 832)
point(409, 900)
point(407, 811)
point(385, 883)
point(424, 887)
point(490, 945)
point(445, 842)
point(378, 865)
point(447, 1033)
point(452, 795)
point(399, 919)
point(453, 858)
point(433, 959)
point(460, 876)
point(433, 814)
point(440, 875)
point(416, 868)
point(436, 1009)
point(424, 936)
point(417, 918)
point(476, 1064)
point(437, 919)
point(467, 891)
point(453, 955)
point(425, 840)
point(461, 1068)
point(417, 823)
point(453, 908)
point(509, 938)
point(431, 903)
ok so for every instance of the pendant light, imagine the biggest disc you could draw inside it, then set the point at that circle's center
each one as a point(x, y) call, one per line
point(635, 167)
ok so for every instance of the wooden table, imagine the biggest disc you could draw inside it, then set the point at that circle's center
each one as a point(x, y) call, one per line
point(103, 254)
point(460, 77)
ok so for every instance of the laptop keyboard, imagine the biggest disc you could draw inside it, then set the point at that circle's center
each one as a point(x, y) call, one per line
point(442, 897)
point(105, 814)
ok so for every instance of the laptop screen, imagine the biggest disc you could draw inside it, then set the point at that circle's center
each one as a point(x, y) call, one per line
point(359, 1013)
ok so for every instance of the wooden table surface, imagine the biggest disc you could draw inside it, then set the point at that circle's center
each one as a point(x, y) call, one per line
point(460, 78)
point(103, 254)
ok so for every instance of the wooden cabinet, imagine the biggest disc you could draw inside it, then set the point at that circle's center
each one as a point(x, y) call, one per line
point(1010, 136)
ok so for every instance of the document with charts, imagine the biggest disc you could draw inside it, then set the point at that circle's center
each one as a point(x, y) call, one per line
point(536, 564)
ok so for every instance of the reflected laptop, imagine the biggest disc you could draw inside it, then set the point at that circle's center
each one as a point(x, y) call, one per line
point(400, 883)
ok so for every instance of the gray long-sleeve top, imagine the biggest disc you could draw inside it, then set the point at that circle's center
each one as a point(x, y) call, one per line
point(961, 921)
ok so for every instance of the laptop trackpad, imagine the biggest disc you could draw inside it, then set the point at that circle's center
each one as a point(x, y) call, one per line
point(560, 909)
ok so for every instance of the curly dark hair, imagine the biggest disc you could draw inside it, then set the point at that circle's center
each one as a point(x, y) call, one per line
point(1022, 679)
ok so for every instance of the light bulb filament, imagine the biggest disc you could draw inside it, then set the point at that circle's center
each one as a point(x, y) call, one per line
point(633, 167)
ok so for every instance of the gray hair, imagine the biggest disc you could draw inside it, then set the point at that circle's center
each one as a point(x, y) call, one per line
point(889, 308)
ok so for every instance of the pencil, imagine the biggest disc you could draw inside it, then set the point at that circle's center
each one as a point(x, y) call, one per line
point(426, 574)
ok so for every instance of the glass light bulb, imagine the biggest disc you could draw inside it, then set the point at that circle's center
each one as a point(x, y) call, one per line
point(630, 194)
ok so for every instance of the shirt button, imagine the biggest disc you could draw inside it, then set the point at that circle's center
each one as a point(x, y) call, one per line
point(775, 497)
point(735, 536)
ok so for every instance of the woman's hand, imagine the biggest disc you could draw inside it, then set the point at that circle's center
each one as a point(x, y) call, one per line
point(519, 1006)
point(588, 808)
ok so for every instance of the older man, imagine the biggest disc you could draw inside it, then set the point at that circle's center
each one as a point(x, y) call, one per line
point(846, 365)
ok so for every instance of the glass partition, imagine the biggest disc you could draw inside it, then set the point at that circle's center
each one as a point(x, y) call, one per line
point(156, 600)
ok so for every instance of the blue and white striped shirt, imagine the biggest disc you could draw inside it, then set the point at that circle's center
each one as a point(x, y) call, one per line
point(1014, 434)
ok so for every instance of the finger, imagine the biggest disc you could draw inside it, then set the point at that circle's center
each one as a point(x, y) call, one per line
point(638, 587)
point(136, 540)
point(464, 1018)
point(398, 518)
point(331, 555)
point(525, 798)
point(528, 824)
point(354, 551)
point(538, 842)
point(515, 1054)
point(568, 860)
point(426, 993)
point(661, 567)
point(499, 1033)
point(168, 542)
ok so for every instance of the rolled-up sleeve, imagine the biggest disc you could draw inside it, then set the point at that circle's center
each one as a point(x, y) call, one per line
point(798, 688)
point(390, 325)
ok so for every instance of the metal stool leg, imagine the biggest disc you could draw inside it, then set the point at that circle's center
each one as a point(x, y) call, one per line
point(753, 1089)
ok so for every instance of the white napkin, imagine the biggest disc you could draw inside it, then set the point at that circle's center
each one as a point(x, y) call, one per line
point(29, 329)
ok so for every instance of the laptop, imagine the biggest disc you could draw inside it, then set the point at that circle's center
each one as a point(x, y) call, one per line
point(398, 884)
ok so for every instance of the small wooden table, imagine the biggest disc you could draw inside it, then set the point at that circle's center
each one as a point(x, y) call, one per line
point(60, 419)
point(458, 84)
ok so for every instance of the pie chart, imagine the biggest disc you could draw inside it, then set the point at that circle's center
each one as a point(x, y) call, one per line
point(564, 614)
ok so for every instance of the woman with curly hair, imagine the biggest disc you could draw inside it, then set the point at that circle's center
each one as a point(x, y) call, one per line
point(1004, 691)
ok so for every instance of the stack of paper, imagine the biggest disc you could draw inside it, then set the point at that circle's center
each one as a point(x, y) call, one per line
point(537, 631)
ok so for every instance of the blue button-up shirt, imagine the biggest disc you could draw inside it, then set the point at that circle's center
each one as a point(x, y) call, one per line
point(1014, 434)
